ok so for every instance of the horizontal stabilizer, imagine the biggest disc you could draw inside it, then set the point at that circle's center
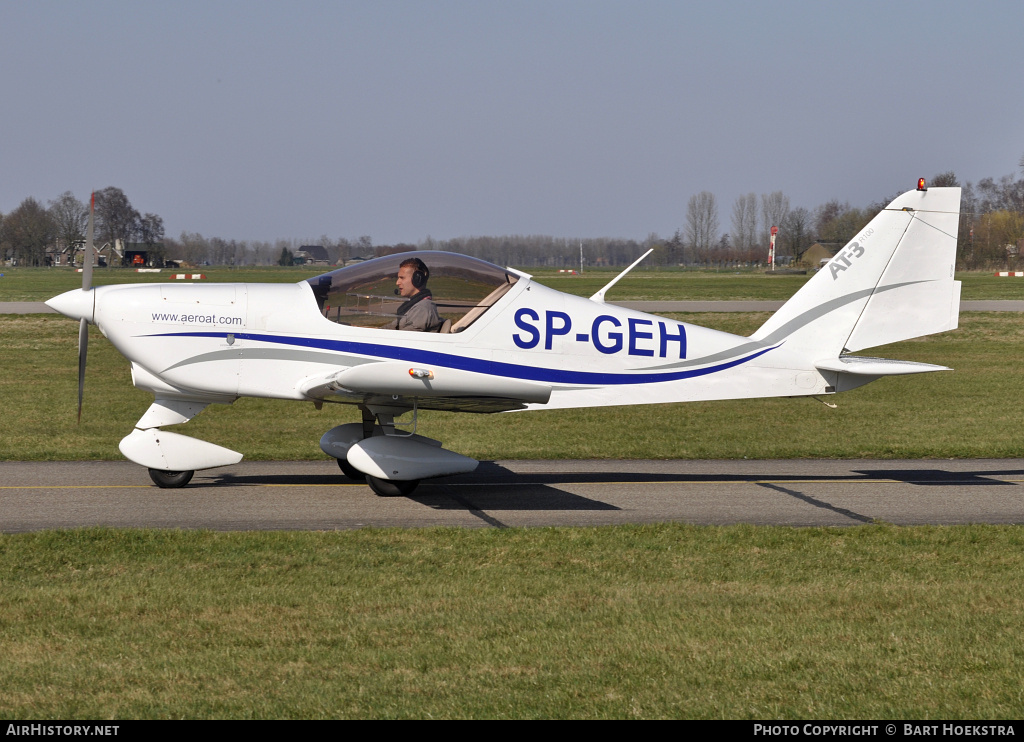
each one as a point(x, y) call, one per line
point(863, 366)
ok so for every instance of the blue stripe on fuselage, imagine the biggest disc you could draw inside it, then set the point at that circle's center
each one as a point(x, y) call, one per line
point(493, 368)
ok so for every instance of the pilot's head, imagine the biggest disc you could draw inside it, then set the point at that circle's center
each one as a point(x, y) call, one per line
point(412, 276)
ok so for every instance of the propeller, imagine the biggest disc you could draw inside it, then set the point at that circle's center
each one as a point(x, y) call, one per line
point(83, 324)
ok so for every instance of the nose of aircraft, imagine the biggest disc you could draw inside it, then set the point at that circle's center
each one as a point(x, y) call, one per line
point(77, 304)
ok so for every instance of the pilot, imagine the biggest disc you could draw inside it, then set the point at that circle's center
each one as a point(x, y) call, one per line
point(418, 312)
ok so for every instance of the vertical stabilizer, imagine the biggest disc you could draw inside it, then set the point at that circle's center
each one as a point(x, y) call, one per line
point(893, 281)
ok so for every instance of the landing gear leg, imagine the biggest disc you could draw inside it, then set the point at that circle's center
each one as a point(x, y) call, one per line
point(385, 487)
point(170, 479)
point(369, 420)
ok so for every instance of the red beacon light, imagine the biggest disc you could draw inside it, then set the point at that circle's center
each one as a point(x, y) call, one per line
point(920, 185)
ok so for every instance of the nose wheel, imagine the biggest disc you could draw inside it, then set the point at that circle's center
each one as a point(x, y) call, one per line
point(170, 479)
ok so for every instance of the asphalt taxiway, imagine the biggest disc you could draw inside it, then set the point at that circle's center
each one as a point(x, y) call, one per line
point(313, 495)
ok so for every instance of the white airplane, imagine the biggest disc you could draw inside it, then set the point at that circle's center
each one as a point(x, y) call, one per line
point(508, 344)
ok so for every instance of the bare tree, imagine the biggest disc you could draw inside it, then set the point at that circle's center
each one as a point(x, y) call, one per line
point(194, 248)
point(344, 251)
point(262, 253)
point(997, 238)
point(795, 232)
point(218, 251)
point(774, 207)
point(702, 224)
point(330, 247)
point(1004, 194)
point(151, 234)
point(838, 223)
point(744, 223)
point(27, 231)
point(116, 218)
point(676, 254)
point(70, 217)
point(825, 214)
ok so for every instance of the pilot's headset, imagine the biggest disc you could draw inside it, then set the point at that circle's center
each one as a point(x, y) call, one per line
point(420, 274)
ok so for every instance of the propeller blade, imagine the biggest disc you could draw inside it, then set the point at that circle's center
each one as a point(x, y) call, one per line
point(87, 266)
point(83, 349)
point(83, 325)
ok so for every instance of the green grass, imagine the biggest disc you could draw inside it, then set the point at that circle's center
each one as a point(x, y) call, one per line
point(39, 284)
point(966, 413)
point(675, 284)
point(666, 621)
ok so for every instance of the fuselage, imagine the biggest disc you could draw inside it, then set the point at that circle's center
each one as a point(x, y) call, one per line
point(223, 341)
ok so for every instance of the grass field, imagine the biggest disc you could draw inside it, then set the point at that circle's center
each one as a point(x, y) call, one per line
point(39, 284)
point(667, 621)
point(964, 413)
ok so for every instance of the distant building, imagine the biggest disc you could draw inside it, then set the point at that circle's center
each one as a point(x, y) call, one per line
point(57, 255)
point(311, 255)
point(820, 253)
point(141, 255)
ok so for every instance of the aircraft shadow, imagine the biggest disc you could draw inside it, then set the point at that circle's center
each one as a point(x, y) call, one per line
point(520, 498)
point(493, 487)
point(940, 477)
point(490, 472)
point(436, 493)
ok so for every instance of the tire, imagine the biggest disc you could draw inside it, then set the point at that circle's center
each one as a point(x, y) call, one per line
point(391, 488)
point(170, 479)
point(350, 471)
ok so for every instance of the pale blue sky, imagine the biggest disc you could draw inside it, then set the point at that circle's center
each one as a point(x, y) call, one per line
point(260, 120)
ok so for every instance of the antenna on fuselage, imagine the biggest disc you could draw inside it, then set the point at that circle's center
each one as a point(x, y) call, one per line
point(599, 296)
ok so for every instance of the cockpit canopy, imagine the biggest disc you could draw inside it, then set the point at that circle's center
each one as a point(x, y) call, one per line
point(364, 294)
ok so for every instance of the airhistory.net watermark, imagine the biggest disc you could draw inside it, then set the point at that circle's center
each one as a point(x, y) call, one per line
point(61, 730)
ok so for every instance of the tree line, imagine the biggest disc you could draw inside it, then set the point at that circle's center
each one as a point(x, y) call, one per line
point(991, 233)
point(31, 233)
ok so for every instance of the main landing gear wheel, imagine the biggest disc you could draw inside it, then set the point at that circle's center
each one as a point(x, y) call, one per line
point(170, 479)
point(391, 488)
point(350, 471)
